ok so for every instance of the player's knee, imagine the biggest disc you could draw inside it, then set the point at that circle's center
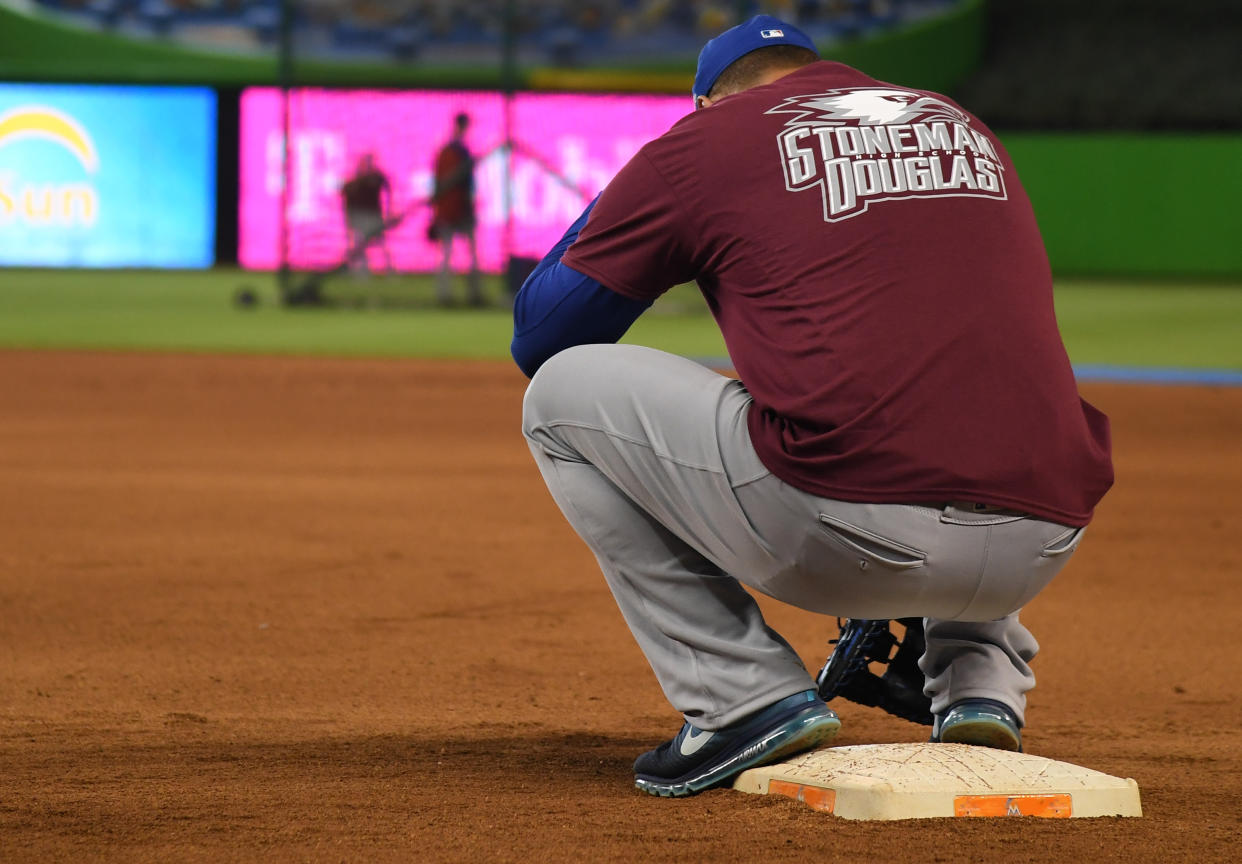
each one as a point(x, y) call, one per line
point(557, 387)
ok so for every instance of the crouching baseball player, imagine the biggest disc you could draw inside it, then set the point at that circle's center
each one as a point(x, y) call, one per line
point(905, 440)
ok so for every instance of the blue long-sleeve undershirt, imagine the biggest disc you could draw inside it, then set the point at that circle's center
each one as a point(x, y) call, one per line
point(558, 307)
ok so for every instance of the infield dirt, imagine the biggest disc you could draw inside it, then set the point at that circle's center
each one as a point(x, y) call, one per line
point(284, 609)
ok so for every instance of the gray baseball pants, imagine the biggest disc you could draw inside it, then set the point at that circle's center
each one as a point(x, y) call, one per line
point(649, 457)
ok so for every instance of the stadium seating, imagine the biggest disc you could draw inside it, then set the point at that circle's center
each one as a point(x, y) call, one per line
point(560, 32)
point(1133, 65)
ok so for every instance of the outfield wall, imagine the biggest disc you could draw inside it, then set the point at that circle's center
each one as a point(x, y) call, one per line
point(77, 172)
point(1135, 204)
point(566, 148)
point(107, 176)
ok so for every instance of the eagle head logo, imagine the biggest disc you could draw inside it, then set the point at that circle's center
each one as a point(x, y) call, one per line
point(869, 106)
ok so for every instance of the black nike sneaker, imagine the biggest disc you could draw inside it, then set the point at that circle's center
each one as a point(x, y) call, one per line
point(696, 759)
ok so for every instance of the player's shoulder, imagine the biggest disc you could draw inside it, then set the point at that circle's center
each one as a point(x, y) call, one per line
point(816, 77)
point(759, 111)
point(822, 78)
point(844, 95)
point(740, 108)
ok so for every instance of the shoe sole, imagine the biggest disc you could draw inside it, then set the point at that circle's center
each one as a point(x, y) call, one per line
point(982, 732)
point(802, 732)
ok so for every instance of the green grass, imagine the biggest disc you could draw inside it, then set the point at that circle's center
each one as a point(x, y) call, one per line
point(194, 311)
point(1132, 324)
point(1194, 326)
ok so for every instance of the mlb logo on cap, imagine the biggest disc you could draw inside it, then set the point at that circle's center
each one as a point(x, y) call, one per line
point(762, 31)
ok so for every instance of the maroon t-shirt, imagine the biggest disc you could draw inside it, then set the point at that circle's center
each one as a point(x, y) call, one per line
point(363, 191)
point(875, 267)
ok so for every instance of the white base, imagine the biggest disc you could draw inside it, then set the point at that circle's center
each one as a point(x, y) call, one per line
point(921, 781)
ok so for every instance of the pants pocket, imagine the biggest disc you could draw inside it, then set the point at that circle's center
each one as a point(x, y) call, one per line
point(1064, 543)
point(871, 546)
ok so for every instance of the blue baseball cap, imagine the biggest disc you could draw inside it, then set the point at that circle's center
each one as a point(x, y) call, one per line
point(736, 42)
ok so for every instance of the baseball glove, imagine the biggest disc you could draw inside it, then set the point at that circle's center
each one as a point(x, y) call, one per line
point(899, 690)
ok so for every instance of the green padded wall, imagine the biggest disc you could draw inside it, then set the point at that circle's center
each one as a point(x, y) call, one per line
point(1136, 204)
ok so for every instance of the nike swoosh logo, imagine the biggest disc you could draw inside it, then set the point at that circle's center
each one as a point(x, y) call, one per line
point(693, 742)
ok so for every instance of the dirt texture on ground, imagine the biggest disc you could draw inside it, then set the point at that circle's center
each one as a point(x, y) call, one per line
point(290, 609)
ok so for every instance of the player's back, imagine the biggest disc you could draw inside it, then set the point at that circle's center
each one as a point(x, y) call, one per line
point(878, 274)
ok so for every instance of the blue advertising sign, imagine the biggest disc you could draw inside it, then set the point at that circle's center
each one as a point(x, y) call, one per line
point(107, 176)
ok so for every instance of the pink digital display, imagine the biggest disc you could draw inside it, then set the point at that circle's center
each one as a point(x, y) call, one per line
point(566, 147)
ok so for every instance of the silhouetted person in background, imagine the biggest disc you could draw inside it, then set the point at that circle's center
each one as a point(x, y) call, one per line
point(367, 198)
point(453, 201)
